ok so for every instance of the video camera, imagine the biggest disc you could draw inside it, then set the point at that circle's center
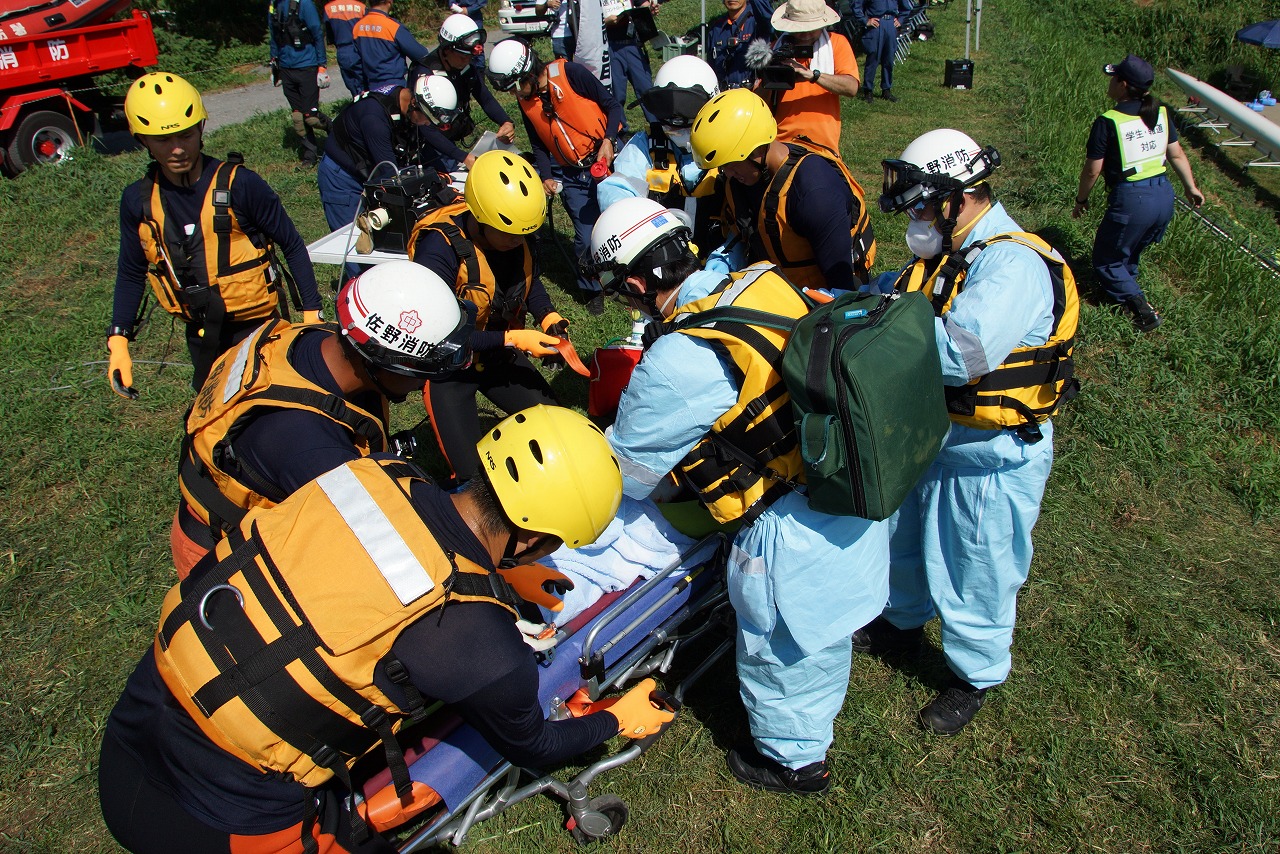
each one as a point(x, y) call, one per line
point(393, 205)
point(770, 63)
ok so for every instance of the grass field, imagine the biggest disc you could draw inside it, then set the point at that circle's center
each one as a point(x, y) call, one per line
point(1141, 714)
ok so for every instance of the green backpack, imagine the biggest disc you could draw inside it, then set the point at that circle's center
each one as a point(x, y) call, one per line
point(866, 393)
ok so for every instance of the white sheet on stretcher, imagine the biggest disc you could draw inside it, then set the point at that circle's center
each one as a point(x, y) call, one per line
point(637, 543)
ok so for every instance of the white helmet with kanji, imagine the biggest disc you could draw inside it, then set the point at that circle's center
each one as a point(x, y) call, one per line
point(403, 318)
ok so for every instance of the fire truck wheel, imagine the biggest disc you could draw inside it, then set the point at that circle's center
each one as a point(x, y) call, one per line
point(41, 137)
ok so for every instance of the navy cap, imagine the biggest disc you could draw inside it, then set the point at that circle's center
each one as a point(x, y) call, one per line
point(1135, 71)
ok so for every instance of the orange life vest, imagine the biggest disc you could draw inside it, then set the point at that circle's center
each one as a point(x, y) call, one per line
point(570, 125)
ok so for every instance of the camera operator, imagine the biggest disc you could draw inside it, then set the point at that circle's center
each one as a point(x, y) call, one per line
point(811, 107)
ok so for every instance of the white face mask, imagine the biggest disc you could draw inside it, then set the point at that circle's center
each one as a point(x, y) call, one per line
point(679, 137)
point(923, 239)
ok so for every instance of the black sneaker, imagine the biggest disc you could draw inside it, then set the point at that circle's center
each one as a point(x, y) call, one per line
point(868, 96)
point(881, 637)
point(1145, 318)
point(951, 711)
point(595, 305)
point(888, 95)
point(761, 772)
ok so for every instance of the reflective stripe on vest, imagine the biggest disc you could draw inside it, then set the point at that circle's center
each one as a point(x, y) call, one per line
point(1142, 149)
point(254, 378)
point(1032, 383)
point(572, 126)
point(475, 280)
point(273, 651)
point(751, 457)
point(218, 261)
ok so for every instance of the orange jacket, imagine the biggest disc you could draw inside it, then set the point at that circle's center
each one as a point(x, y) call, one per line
point(810, 110)
point(573, 126)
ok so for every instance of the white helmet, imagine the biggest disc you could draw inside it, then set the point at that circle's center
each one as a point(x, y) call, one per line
point(403, 318)
point(636, 236)
point(683, 84)
point(436, 97)
point(936, 164)
point(463, 34)
point(510, 61)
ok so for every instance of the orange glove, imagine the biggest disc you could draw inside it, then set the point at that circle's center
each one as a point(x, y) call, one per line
point(312, 317)
point(531, 341)
point(538, 584)
point(120, 367)
point(637, 714)
point(554, 324)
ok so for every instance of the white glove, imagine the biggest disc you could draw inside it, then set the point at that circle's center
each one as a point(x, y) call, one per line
point(322, 78)
point(457, 9)
point(539, 636)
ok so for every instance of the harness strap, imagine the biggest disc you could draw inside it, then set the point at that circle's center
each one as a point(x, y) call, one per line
point(195, 476)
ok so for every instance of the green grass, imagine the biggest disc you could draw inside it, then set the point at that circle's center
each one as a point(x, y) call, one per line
point(1141, 712)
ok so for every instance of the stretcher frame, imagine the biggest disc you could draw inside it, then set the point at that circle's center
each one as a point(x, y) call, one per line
point(591, 818)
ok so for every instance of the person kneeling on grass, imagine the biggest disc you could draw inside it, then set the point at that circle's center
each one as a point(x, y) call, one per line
point(385, 589)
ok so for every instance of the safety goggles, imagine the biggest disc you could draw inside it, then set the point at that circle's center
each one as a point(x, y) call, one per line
point(674, 107)
point(506, 82)
point(471, 44)
point(428, 361)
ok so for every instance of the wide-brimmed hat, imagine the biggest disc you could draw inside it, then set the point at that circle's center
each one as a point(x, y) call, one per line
point(803, 16)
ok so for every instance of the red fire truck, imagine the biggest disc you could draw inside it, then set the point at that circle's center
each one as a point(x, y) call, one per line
point(49, 54)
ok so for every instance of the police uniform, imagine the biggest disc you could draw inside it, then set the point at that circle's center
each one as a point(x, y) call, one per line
point(503, 286)
point(879, 42)
point(1140, 203)
point(961, 542)
point(800, 582)
point(185, 764)
point(205, 250)
point(727, 40)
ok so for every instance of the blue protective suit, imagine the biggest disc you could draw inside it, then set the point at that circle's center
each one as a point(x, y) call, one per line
point(960, 545)
point(879, 42)
point(384, 45)
point(630, 178)
point(800, 582)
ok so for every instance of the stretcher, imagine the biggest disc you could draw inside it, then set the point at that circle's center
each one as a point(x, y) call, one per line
point(459, 780)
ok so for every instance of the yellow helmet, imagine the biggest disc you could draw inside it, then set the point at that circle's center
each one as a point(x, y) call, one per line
point(553, 472)
point(159, 104)
point(730, 126)
point(503, 191)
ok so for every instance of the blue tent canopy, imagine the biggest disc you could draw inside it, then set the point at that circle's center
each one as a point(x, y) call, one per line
point(1264, 33)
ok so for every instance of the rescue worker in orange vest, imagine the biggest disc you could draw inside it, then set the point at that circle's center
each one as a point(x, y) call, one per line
point(482, 246)
point(385, 46)
point(201, 232)
point(571, 120)
point(388, 590)
point(793, 203)
point(293, 402)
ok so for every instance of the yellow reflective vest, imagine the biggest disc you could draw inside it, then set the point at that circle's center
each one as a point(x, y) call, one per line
point(272, 651)
point(1032, 383)
point(751, 457)
point(495, 311)
point(216, 263)
point(255, 376)
point(792, 253)
point(1142, 149)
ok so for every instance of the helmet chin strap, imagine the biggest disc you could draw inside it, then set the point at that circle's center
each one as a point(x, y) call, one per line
point(372, 372)
point(948, 224)
point(509, 556)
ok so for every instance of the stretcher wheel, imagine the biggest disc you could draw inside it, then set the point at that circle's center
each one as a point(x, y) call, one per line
point(604, 817)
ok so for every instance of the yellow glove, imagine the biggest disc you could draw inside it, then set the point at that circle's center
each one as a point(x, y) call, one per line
point(531, 341)
point(120, 367)
point(312, 317)
point(538, 584)
point(637, 714)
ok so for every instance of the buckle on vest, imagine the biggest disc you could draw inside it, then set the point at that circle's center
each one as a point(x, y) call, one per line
point(374, 717)
point(325, 756)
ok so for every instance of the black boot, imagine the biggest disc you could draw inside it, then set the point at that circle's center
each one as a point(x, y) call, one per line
point(1145, 318)
point(951, 711)
point(881, 637)
point(868, 96)
point(761, 772)
point(888, 95)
